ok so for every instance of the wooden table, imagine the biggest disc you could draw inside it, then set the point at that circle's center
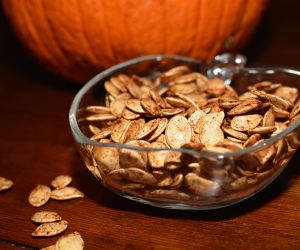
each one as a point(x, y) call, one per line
point(36, 145)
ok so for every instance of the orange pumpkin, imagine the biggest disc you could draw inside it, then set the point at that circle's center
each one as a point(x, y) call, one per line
point(78, 38)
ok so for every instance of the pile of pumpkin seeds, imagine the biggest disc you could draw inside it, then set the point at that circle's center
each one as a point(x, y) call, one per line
point(185, 109)
point(42, 193)
point(51, 223)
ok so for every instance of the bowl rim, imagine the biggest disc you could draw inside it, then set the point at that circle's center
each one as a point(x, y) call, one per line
point(82, 139)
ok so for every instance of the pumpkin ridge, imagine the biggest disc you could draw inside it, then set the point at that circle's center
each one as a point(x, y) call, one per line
point(242, 19)
point(236, 28)
point(54, 35)
point(223, 27)
point(197, 28)
point(216, 34)
point(190, 50)
point(164, 35)
point(34, 36)
point(85, 39)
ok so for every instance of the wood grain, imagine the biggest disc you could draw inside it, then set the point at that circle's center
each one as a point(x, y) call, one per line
point(36, 145)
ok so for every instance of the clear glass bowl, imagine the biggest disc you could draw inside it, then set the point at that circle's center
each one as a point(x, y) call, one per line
point(233, 177)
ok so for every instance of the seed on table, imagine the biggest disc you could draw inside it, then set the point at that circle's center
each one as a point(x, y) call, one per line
point(50, 229)
point(5, 184)
point(39, 195)
point(45, 216)
point(61, 181)
point(72, 241)
point(66, 193)
point(168, 194)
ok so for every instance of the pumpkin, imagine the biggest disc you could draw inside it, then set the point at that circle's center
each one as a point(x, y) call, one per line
point(78, 38)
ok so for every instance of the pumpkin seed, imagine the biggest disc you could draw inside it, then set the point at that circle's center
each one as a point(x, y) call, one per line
point(151, 106)
point(233, 139)
point(195, 116)
point(50, 229)
point(159, 130)
point(98, 109)
point(239, 135)
point(106, 158)
point(129, 115)
point(201, 186)
point(102, 134)
point(95, 130)
point(157, 98)
point(177, 102)
point(5, 184)
point(296, 109)
point(252, 140)
point(212, 119)
point(171, 111)
point(134, 158)
point(185, 88)
point(61, 181)
point(245, 122)
point(245, 106)
point(134, 128)
point(72, 241)
point(111, 89)
point(133, 89)
point(262, 130)
point(118, 105)
point(101, 117)
point(288, 93)
point(148, 128)
point(118, 84)
point(211, 135)
point(66, 193)
point(119, 131)
point(39, 195)
point(178, 131)
point(134, 174)
point(135, 106)
point(228, 102)
point(45, 216)
point(215, 87)
point(186, 78)
point(280, 113)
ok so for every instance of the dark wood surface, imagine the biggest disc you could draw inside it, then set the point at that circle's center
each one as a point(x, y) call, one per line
point(36, 145)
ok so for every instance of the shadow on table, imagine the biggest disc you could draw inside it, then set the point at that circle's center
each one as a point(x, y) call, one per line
point(94, 190)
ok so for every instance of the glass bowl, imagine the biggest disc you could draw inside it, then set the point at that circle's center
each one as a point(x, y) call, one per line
point(200, 180)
